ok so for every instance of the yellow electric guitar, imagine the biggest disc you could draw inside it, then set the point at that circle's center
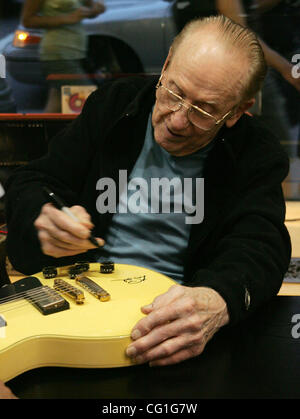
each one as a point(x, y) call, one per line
point(72, 319)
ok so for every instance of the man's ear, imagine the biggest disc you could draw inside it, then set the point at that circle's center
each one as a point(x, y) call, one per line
point(167, 61)
point(230, 122)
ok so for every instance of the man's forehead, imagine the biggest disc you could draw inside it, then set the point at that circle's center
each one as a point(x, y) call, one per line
point(210, 65)
point(204, 44)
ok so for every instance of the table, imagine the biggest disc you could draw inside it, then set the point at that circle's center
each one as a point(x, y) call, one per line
point(257, 359)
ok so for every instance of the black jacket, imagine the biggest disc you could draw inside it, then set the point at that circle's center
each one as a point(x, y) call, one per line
point(241, 249)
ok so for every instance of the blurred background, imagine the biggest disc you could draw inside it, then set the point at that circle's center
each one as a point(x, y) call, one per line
point(129, 37)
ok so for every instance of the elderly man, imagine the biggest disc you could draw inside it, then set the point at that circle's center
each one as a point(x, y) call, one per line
point(192, 126)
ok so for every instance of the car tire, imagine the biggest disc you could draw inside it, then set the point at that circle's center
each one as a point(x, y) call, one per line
point(112, 56)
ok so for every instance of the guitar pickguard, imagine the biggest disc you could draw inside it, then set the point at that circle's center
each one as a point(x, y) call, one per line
point(45, 299)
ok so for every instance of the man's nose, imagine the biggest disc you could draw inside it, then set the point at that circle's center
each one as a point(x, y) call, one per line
point(179, 119)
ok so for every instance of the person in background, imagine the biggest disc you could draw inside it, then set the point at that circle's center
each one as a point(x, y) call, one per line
point(236, 10)
point(279, 22)
point(64, 45)
point(272, 108)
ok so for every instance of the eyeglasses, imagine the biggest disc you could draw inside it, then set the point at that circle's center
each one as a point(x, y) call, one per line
point(196, 115)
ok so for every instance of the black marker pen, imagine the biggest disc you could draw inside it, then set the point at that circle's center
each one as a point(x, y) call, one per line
point(60, 205)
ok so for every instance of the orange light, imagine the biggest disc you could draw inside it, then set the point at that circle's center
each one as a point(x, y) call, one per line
point(22, 36)
point(22, 39)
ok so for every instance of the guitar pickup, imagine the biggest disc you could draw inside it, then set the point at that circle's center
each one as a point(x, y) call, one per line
point(69, 290)
point(47, 300)
point(93, 288)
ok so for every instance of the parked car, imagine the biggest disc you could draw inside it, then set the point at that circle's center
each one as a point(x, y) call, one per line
point(131, 36)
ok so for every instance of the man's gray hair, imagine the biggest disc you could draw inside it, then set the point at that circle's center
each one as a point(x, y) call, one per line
point(237, 38)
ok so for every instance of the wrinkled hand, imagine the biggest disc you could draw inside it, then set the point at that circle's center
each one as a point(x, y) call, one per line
point(5, 392)
point(178, 325)
point(60, 235)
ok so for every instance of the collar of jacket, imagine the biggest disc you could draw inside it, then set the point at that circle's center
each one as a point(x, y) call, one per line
point(145, 97)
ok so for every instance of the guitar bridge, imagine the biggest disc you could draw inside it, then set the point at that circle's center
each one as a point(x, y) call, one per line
point(93, 288)
point(65, 288)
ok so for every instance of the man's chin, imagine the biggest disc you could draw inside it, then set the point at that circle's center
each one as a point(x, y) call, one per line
point(172, 147)
point(171, 143)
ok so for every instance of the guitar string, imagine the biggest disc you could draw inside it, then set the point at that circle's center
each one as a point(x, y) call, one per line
point(65, 287)
point(37, 292)
point(40, 292)
point(22, 302)
point(21, 294)
point(17, 296)
point(19, 303)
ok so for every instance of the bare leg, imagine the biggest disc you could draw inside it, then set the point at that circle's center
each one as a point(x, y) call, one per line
point(54, 101)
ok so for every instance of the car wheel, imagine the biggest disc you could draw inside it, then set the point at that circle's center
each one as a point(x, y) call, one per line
point(108, 55)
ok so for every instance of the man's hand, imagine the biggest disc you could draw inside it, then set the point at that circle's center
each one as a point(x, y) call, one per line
point(5, 392)
point(60, 235)
point(178, 325)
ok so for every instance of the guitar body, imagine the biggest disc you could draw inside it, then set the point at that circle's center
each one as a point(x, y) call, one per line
point(94, 334)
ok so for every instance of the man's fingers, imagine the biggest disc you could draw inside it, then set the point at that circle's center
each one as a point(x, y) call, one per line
point(179, 356)
point(190, 330)
point(63, 221)
point(165, 309)
point(164, 299)
point(60, 235)
point(83, 216)
point(57, 252)
point(65, 244)
point(194, 348)
point(172, 350)
point(154, 319)
point(64, 240)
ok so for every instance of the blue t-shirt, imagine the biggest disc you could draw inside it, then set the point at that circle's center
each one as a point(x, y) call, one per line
point(151, 226)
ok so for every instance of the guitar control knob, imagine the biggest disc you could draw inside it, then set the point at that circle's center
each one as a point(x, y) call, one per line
point(74, 271)
point(49, 272)
point(107, 267)
point(83, 266)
